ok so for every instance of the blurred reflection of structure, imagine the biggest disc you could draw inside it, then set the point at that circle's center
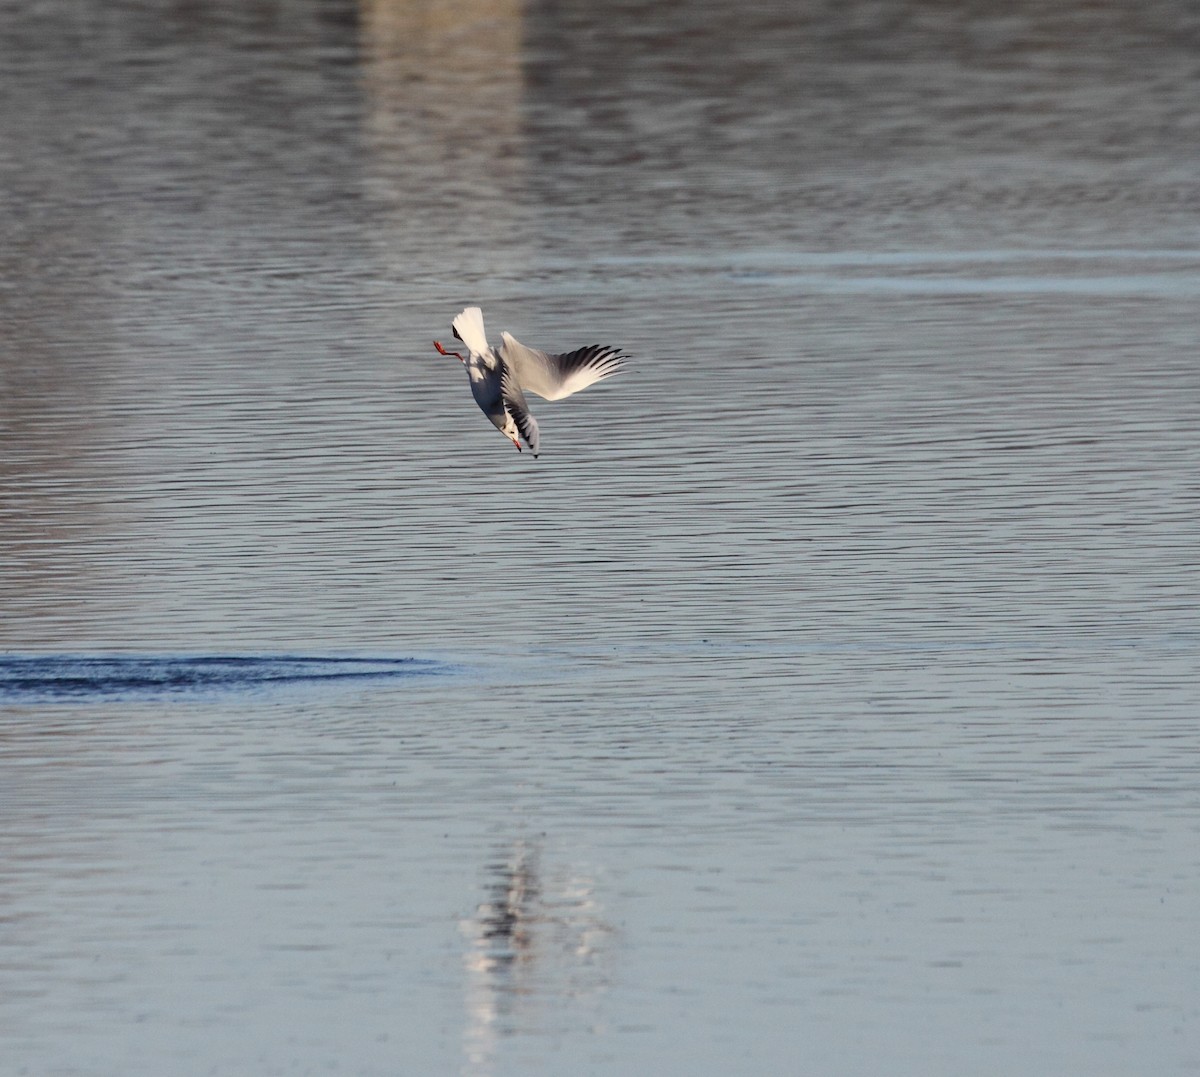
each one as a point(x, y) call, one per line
point(444, 86)
point(539, 939)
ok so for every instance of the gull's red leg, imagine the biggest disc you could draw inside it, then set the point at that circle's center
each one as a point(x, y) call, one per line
point(438, 344)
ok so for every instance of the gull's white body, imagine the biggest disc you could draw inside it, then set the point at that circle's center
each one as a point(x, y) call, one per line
point(485, 371)
point(499, 377)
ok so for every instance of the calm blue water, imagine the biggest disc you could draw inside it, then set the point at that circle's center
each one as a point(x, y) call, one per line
point(824, 699)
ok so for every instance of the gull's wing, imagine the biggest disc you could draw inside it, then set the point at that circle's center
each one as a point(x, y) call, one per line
point(514, 401)
point(468, 327)
point(554, 376)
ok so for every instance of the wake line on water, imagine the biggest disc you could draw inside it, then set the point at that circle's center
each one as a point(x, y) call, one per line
point(1170, 273)
point(34, 678)
point(916, 257)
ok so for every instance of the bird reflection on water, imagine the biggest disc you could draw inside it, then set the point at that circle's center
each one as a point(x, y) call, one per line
point(539, 940)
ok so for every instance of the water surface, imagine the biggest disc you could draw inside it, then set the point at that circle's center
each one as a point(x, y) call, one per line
point(824, 697)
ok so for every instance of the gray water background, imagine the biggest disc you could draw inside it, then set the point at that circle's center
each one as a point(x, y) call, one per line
point(824, 700)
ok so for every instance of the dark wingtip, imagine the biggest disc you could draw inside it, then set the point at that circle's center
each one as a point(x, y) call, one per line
point(602, 359)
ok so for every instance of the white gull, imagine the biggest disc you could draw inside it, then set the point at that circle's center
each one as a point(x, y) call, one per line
point(500, 376)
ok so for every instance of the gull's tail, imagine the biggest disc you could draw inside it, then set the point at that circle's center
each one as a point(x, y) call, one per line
point(468, 327)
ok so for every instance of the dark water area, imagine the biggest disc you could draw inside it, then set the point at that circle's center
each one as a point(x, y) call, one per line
point(92, 677)
point(824, 697)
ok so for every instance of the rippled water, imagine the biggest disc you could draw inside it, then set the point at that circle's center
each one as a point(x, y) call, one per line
point(824, 698)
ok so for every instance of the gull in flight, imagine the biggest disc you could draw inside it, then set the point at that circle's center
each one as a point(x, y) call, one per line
point(500, 376)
